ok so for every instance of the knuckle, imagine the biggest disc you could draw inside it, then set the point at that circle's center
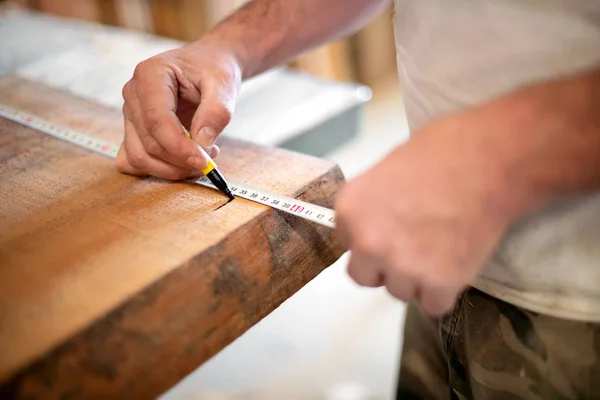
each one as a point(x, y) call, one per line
point(435, 308)
point(360, 279)
point(178, 149)
point(373, 245)
point(342, 205)
point(154, 148)
point(222, 114)
point(126, 91)
point(176, 175)
point(438, 300)
point(182, 175)
point(140, 69)
point(122, 165)
point(136, 160)
point(357, 274)
point(357, 278)
point(352, 270)
point(153, 118)
point(127, 112)
point(399, 292)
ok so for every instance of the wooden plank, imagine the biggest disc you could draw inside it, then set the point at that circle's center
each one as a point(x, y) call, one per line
point(180, 19)
point(117, 286)
point(332, 61)
point(185, 20)
point(194, 19)
point(134, 14)
point(83, 9)
point(219, 9)
point(16, 4)
point(164, 17)
point(108, 12)
point(375, 49)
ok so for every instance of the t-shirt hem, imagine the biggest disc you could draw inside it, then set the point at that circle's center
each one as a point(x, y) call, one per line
point(554, 305)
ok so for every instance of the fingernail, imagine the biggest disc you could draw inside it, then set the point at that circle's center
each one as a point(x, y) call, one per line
point(197, 162)
point(213, 151)
point(206, 137)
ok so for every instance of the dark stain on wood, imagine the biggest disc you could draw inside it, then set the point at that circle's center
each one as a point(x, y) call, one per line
point(158, 335)
point(230, 281)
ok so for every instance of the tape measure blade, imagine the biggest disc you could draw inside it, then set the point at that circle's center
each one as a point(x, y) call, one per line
point(312, 212)
point(321, 215)
point(91, 143)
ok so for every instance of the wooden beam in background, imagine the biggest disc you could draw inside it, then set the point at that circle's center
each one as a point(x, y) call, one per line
point(180, 19)
point(332, 61)
point(82, 9)
point(375, 49)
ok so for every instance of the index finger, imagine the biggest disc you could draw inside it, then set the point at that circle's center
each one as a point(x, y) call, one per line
point(157, 94)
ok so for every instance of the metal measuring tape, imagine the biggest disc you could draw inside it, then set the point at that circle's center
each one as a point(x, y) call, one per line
point(312, 212)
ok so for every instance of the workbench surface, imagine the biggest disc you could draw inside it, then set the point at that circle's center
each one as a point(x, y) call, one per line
point(118, 286)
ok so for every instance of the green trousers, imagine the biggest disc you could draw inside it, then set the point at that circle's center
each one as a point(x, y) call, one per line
point(488, 349)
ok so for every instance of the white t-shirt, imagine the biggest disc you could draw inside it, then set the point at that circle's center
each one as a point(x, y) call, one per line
point(453, 54)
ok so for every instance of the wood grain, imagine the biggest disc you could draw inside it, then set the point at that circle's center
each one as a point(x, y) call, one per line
point(180, 19)
point(117, 286)
point(81, 9)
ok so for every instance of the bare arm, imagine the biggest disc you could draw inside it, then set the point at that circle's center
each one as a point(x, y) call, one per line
point(266, 33)
point(197, 85)
point(545, 138)
point(440, 203)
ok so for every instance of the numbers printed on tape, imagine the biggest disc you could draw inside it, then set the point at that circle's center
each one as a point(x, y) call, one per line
point(69, 135)
point(312, 212)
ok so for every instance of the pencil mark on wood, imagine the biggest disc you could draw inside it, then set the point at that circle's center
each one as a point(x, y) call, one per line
point(223, 205)
point(153, 300)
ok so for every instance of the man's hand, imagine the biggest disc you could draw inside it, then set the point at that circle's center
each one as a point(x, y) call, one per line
point(196, 86)
point(423, 221)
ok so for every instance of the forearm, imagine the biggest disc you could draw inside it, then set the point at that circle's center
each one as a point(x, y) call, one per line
point(267, 33)
point(545, 139)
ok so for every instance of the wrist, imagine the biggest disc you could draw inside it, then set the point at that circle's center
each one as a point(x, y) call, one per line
point(227, 40)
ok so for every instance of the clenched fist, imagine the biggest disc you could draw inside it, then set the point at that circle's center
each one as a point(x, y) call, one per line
point(195, 86)
point(423, 221)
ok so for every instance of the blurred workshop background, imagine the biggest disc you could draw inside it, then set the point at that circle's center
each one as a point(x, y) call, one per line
point(332, 340)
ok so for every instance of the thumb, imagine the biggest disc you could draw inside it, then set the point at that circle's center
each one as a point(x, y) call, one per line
point(437, 301)
point(212, 115)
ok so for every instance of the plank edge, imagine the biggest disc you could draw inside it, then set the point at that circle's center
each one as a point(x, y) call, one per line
point(52, 371)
